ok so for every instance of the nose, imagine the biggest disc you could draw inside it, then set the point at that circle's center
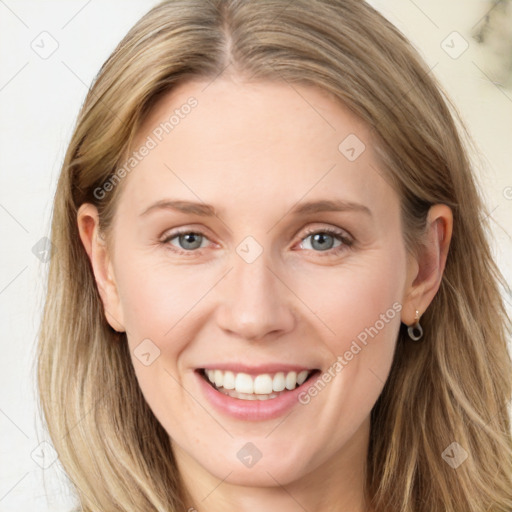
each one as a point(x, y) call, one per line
point(256, 304)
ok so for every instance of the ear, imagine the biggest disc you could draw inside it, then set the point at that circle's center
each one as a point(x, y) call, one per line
point(425, 270)
point(96, 248)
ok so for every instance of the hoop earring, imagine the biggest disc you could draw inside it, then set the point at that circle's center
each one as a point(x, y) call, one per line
point(415, 331)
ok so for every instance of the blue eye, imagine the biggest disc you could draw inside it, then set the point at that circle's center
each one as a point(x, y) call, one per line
point(188, 240)
point(324, 240)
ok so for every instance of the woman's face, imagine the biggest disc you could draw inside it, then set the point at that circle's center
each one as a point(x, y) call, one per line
point(294, 266)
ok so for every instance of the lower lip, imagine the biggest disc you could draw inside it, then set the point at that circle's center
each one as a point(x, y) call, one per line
point(253, 410)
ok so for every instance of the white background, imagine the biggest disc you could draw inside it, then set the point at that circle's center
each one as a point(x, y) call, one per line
point(39, 101)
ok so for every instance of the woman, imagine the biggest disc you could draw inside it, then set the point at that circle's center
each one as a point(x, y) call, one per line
point(272, 285)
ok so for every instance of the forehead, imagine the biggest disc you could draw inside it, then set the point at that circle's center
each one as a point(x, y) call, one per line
point(240, 143)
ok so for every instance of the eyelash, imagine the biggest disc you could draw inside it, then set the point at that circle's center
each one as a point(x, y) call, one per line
point(346, 242)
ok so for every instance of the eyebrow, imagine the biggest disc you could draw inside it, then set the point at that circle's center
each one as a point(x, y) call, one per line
point(326, 205)
point(202, 209)
point(206, 210)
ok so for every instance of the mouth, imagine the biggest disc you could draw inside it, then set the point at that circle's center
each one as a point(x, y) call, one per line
point(265, 386)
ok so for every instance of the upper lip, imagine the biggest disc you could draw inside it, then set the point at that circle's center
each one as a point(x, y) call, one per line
point(257, 369)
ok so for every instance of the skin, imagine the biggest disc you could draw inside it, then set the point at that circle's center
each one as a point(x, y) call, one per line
point(254, 150)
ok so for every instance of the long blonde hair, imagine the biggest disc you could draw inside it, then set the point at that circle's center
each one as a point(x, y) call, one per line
point(454, 386)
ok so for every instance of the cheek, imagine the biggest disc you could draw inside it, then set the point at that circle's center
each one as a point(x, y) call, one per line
point(356, 295)
point(159, 302)
point(156, 295)
point(359, 306)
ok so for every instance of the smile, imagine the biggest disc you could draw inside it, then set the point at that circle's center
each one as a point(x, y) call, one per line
point(265, 386)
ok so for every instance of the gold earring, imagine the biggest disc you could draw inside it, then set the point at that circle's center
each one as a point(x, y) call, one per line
point(415, 331)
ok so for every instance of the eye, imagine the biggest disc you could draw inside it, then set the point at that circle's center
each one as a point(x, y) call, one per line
point(186, 241)
point(328, 240)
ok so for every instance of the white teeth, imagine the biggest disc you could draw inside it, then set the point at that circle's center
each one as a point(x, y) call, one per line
point(278, 384)
point(229, 380)
point(291, 380)
point(264, 384)
point(244, 383)
point(302, 376)
point(218, 377)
